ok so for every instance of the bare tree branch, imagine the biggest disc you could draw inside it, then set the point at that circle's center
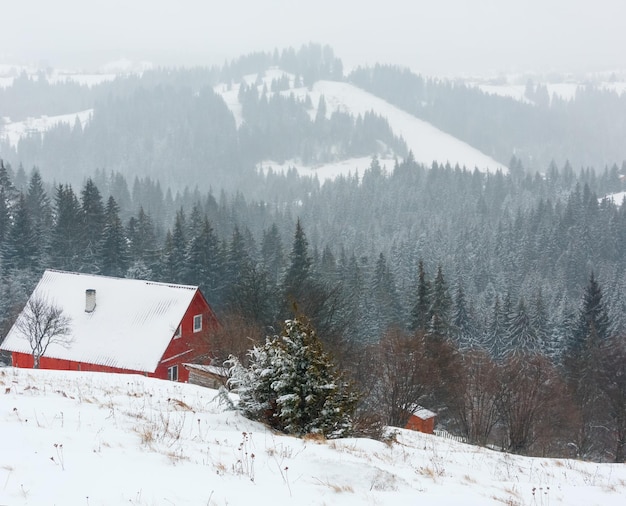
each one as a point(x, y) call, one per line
point(42, 323)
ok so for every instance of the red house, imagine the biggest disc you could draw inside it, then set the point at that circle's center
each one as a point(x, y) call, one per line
point(422, 420)
point(120, 325)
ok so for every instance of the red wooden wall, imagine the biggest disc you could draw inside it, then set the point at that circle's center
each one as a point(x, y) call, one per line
point(421, 425)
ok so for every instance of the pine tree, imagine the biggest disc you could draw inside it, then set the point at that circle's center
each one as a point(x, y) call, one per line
point(439, 324)
point(593, 320)
point(238, 261)
point(420, 315)
point(383, 311)
point(292, 385)
point(173, 255)
point(21, 247)
point(66, 241)
point(522, 334)
point(203, 262)
point(40, 211)
point(462, 321)
point(272, 253)
point(299, 269)
point(497, 331)
point(93, 220)
point(114, 259)
point(142, 245)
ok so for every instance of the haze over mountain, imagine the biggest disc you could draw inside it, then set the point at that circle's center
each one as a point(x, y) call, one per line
point(446, 37)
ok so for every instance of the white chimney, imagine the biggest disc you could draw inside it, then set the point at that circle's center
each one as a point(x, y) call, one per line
point(90, 300)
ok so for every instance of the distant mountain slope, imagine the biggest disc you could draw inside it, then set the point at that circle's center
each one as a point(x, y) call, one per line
point(77, 438)
point(428, 143)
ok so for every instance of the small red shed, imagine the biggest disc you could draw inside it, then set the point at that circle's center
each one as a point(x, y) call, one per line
point(120, 325)
point(422, 420)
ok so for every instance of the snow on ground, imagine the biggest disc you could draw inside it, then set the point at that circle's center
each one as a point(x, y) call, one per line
point(72, 438)
point(14, 131)
point(616, 198)
point(427, 142)
point(327, 171)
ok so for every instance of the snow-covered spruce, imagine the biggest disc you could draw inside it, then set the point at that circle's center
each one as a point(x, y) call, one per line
point(292, 385)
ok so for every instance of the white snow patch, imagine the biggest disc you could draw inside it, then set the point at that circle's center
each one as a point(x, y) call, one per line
point(81, 439)
point(327, 171)
point(616, 198)
point(14, 131)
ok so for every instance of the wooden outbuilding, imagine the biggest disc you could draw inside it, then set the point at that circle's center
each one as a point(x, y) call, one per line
point(422, 420)
point(210, 376)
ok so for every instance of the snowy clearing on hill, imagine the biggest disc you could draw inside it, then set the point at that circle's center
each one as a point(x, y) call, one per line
point(327, 171)
point(75, 438)
point(14, 131)
point(427, 142)
point(616, 198)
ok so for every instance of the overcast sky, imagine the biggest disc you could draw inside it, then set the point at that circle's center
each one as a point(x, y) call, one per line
point(431, 36)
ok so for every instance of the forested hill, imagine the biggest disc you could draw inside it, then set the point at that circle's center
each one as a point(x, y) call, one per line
point(172, 126)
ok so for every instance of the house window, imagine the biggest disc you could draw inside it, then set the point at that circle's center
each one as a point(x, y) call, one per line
point(197, 323)
point(172, 373)
point(178, 332)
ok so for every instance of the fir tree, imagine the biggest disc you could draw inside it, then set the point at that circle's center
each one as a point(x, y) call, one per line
point(21, 247)
point(420, 315)
point(272, 253)
point(93, 221)
point(292, 385)
point(66, 240)
point(593, 320)
point(300, 264)
point(142, 243)
point(203, 261)
point(114, 248)
point(440, 308)
point(40, 210)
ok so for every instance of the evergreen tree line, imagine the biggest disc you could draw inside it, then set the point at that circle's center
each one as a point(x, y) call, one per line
point(515, 252)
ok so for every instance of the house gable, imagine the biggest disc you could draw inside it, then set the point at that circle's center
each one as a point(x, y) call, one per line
point(190, 344)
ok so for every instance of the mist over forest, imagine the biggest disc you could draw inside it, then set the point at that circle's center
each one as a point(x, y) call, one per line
point(164, 181)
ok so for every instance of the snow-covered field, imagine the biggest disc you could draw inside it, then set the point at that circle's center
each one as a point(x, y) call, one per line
point(14, 131)
point(71, 438)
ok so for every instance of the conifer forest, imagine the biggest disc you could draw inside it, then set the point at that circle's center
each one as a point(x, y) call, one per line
point(496, 298)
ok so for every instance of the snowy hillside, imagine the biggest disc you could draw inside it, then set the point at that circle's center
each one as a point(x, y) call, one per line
point(14, 131)
point(427, 142)
point(97, 439)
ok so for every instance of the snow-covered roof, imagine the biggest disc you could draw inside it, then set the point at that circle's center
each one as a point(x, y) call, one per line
point(424, 413)
point(130, 328)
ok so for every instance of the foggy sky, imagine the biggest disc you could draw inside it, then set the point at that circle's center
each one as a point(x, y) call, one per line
point(433, 37)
